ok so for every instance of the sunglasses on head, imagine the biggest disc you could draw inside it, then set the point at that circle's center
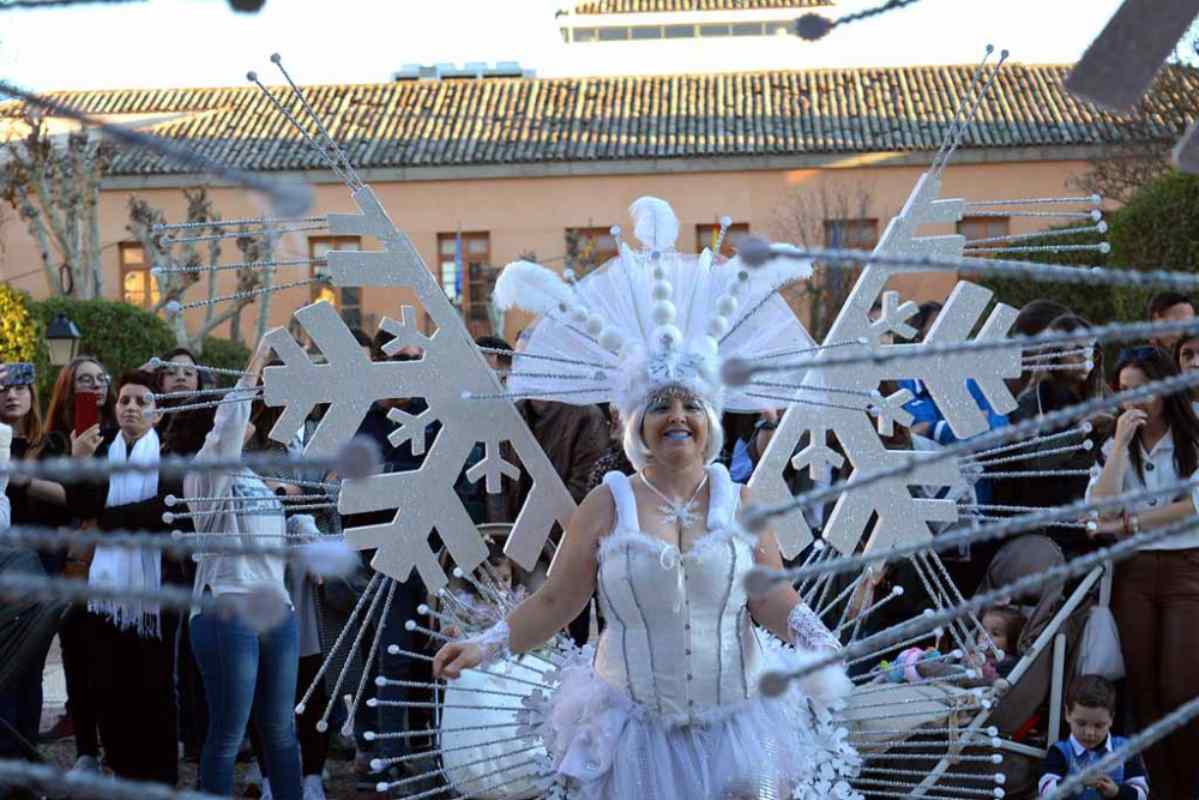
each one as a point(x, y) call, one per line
point(1137, 355)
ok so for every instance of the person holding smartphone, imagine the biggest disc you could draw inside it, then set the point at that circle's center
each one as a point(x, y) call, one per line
point(32, 502)
point(82, 393)
point(131, 643)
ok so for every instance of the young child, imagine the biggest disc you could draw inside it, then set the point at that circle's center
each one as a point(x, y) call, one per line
point(478, 613)
point(1090, 710)
point(1003, 625)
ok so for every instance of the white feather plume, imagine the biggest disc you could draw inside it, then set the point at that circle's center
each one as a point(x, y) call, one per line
point(782, 270)
point(654, 223)
point(531, 287)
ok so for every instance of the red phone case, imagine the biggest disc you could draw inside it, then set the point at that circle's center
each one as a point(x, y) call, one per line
point(87, 411)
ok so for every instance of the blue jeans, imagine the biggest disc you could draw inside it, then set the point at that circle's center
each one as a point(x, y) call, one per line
point(243, 670)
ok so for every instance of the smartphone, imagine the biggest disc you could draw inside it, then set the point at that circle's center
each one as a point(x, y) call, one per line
point(18, 374)
point(87, 411)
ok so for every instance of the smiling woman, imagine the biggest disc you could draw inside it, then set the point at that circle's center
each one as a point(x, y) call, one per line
point(671, 705)
point(677, 416)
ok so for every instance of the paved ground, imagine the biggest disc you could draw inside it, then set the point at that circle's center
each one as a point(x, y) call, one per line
point(340, 782)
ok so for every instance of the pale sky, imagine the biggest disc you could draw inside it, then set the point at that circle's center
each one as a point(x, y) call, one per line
point(164, 43)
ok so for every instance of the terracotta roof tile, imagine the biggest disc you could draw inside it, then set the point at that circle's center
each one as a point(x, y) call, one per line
point(659, 6)
point(504, 121)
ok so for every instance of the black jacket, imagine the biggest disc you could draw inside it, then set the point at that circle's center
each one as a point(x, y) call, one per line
point(88, 501)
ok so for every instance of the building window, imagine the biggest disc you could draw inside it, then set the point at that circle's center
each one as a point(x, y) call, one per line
point(138, 288)
point(613, 34)
point(647, 32)
point(467, 276)
point(713, 30)
point(584, 34)
point(588, 248)
point(706, 235)
point(851, 234)
point(779, 28)
point(679, 31)
point(346, 299)
point(974, 228)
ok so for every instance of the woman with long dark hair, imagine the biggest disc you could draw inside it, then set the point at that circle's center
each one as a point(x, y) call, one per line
point(32, 502)
point(1156, 593)
point(84, 374)
point(183, 432)
point(1062, 376)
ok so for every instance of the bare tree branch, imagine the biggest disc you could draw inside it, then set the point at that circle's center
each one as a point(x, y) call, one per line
point(54, 187)
point(816, 216)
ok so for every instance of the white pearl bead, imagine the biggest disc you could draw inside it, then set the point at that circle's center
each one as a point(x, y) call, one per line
point(579, 314)
point(717, 326)
point(595, 325)
point(611, 341)
point(662, 290)
point(726, 305)
point(664, 312)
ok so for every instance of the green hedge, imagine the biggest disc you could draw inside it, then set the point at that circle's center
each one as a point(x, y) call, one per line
point(1157, 229)
point(120, 335)
point(225, 353)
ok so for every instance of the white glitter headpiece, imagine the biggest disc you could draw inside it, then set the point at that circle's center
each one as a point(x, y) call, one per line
point(650, 319)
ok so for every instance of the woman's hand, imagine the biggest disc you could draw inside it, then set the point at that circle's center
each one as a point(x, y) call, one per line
point(85, 444)
point(1127, 425)
point(1107, 528)
point(455, 657)
point(259, 360)
point(289, 489)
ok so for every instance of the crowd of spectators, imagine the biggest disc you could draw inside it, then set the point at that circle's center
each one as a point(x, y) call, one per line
point(148, 686)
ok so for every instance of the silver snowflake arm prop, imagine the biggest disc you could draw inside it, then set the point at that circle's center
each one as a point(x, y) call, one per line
point(807, 632)
point(462, 394)
point(899, 516)
point(495, 643)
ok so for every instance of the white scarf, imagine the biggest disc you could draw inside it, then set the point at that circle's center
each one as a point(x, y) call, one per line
point(122, 567)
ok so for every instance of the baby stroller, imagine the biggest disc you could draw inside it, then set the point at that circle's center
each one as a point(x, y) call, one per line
point(954, 738)
point(484, 751)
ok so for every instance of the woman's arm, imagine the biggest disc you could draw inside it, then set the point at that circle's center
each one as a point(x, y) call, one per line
point(1131, 523)
point(564, 595)
point(228, 435)
point(781, 611)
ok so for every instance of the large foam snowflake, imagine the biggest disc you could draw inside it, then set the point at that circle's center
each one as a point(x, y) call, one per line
point(460, 389)
point(900, 517)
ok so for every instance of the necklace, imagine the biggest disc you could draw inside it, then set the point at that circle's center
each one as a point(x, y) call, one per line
point(675, 510)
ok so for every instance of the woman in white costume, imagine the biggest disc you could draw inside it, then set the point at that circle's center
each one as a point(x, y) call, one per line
point(668, 707)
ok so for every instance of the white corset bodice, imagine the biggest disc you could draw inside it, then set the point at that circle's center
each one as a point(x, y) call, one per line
point(679, 639)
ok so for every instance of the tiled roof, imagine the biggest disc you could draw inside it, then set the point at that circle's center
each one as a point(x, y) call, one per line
point(661, 6)
point(526, 121)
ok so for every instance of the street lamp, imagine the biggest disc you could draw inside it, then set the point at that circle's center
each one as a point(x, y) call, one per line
point(62, 339)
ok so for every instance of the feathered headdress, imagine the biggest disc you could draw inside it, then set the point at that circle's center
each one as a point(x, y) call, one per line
point(651, 319)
